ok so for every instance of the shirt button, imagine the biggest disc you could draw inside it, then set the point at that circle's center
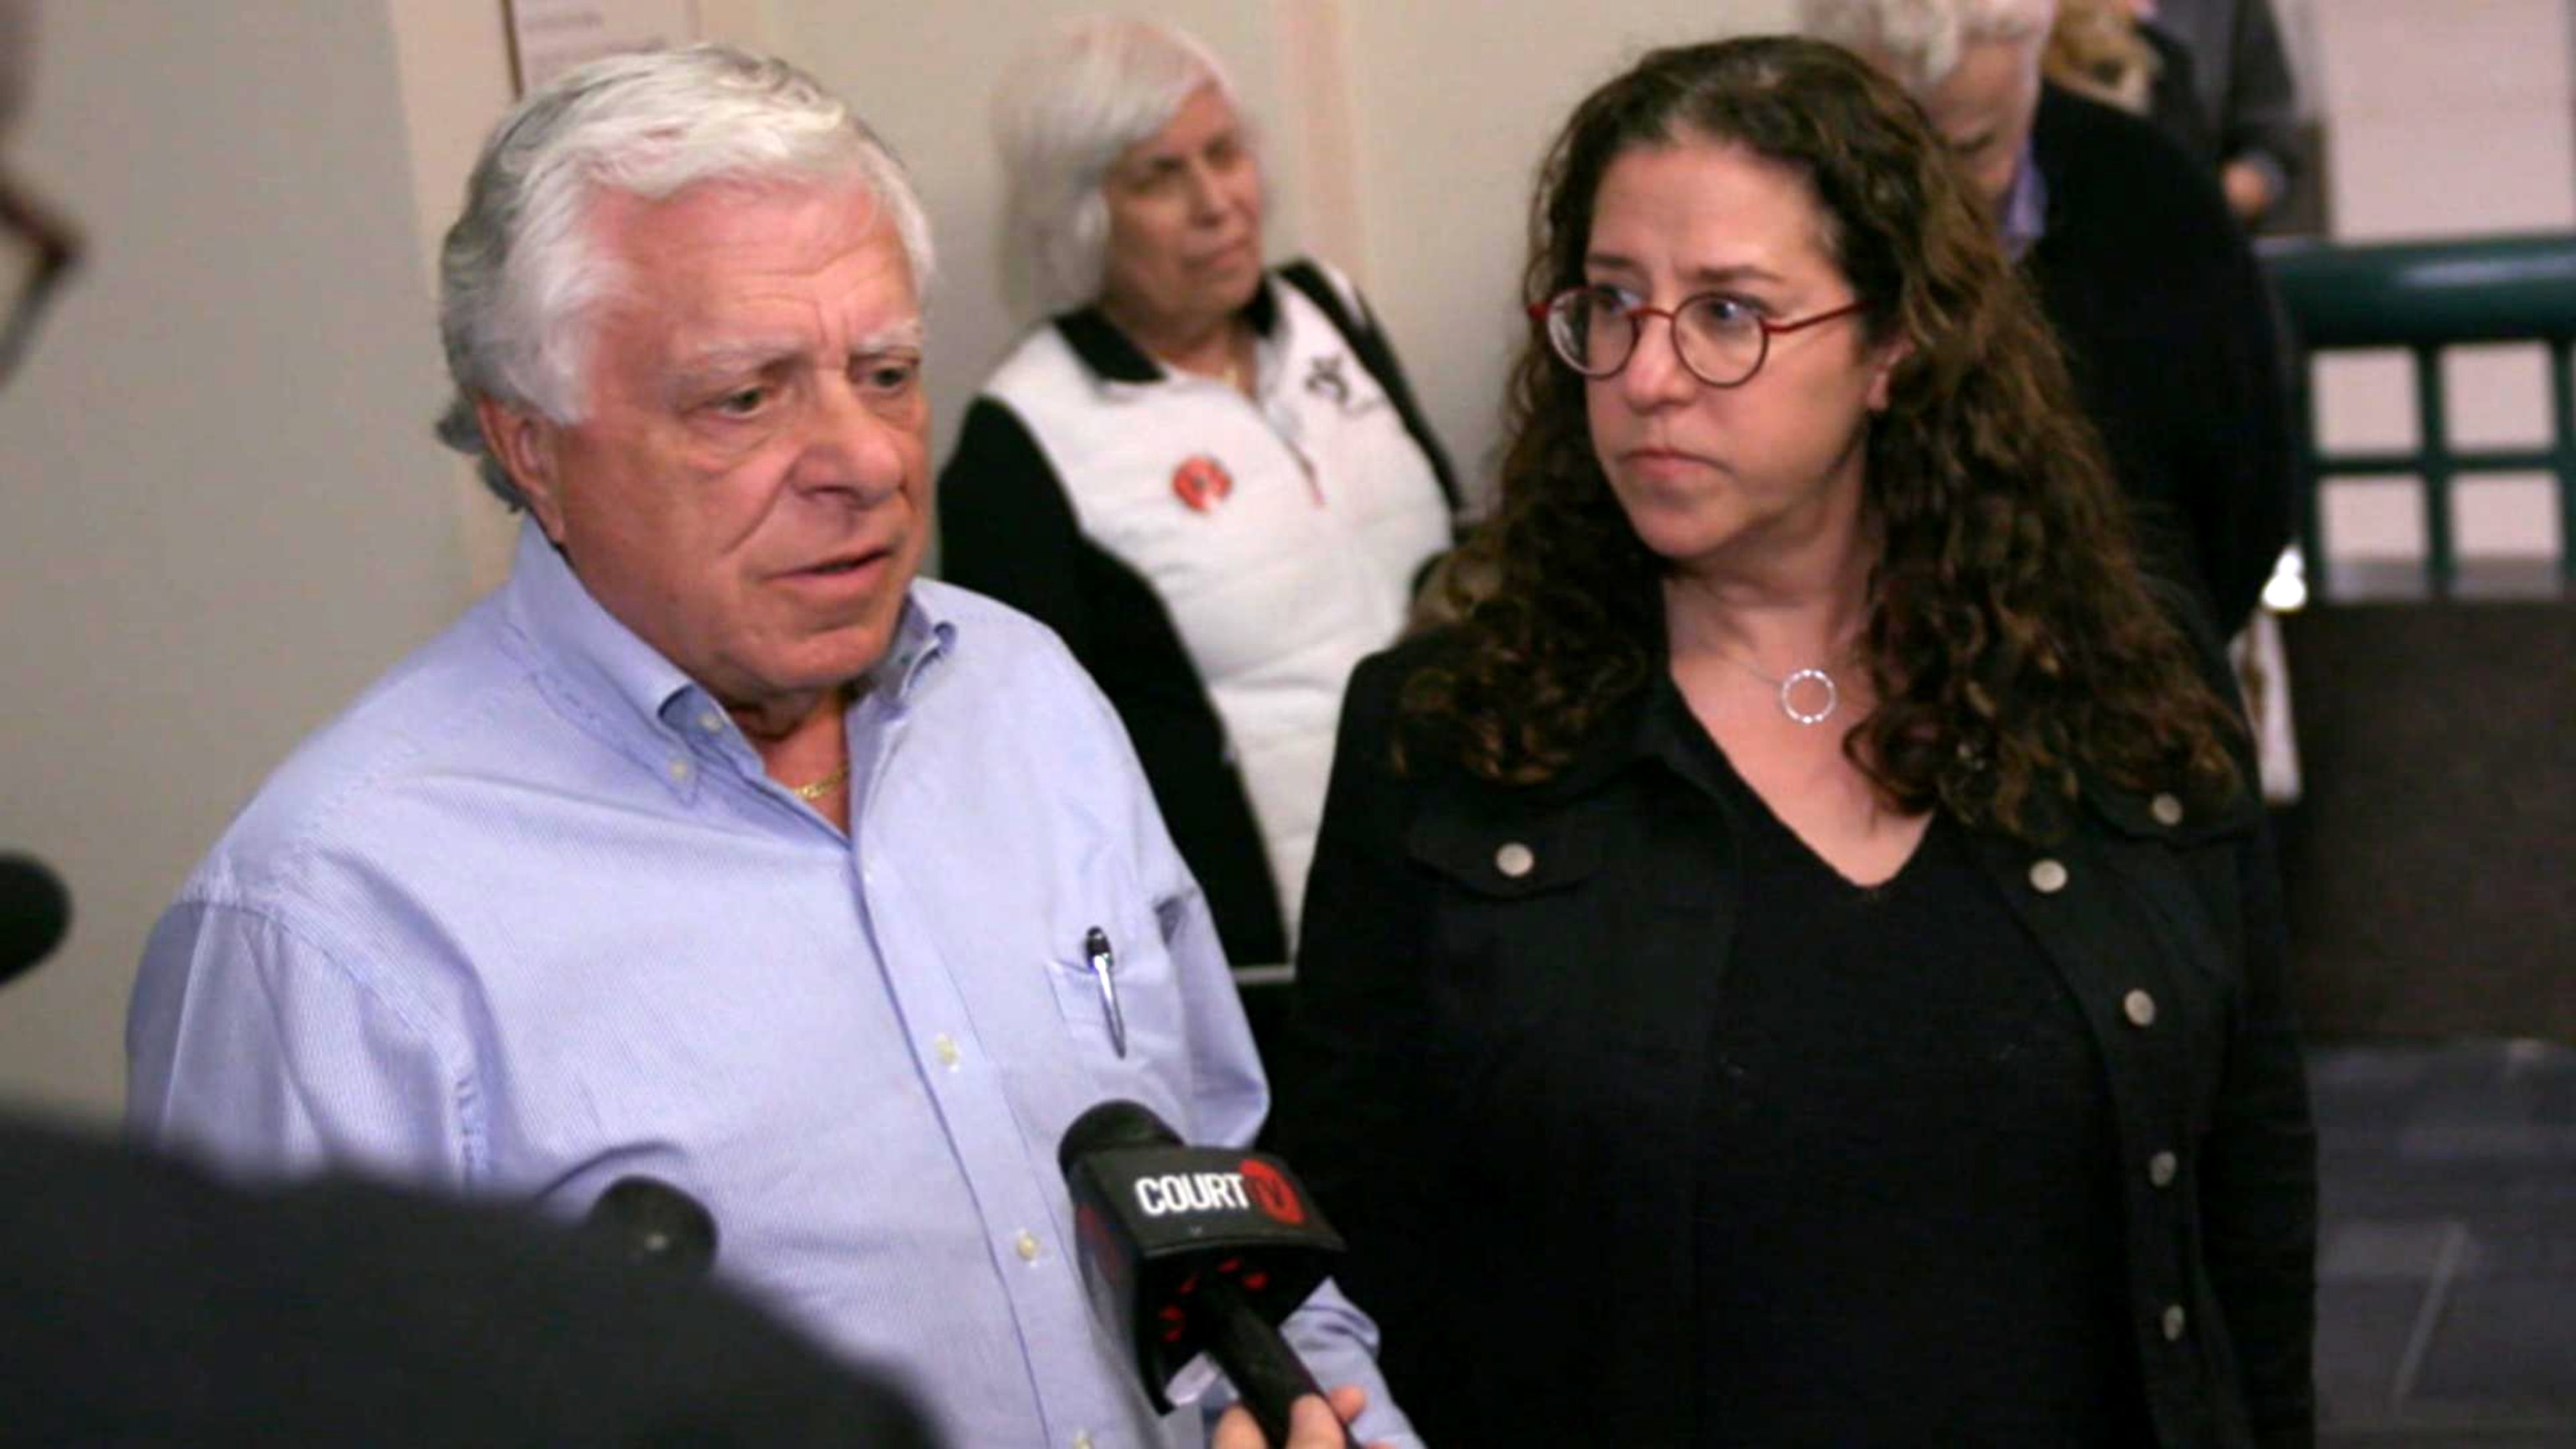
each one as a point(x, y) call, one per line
point(2047, 877)
point(2166, 809)
point(2173, 1322)
point(2161, 1169)
point(2139, 1008)
point(1515, 860)
point(680, 770)
point(1026, 1245)
point(711, 721)
point(1082, 1439)
point(946, 1046)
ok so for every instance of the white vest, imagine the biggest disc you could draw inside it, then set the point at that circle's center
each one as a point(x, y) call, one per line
point(1283, 535)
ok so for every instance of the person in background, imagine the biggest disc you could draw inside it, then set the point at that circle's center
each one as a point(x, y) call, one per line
point(2098, 50)
point(1800, 961)
point(2241, 84)
point(1211, 478)
point(2162, 309)
point(713, 847)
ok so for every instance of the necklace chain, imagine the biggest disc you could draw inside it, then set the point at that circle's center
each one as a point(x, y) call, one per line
point(1789, 683)
point(822, 787)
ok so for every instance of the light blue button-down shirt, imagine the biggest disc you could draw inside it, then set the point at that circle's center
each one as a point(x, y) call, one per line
point(530, 917)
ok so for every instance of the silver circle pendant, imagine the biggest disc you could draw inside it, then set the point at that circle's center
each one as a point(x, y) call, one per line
point(1833, 697)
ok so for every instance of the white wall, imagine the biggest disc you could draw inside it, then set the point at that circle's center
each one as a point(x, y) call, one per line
point(1456, 104)
point(222, 511)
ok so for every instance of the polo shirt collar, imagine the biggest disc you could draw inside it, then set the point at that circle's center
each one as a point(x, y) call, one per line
point(1112, 356)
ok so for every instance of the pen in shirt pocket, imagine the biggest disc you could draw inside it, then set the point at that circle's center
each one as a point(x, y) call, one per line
point(1104, 970)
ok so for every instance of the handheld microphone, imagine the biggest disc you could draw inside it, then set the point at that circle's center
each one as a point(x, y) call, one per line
point(35, 914)
point(1195, 1249)
point(652, 1224)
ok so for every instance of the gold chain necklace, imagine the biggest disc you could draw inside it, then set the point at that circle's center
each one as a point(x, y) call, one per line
point(822, 787)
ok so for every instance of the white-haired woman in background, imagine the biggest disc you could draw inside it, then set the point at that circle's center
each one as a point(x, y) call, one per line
point(1209, 476)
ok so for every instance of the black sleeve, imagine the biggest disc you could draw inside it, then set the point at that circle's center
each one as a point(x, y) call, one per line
point(2258, 1164)
point(2245, 513)
point(2258, 1178)
point(1356, 1115)
point(2260, 112)
point(2175, 341)
point(1007, 529)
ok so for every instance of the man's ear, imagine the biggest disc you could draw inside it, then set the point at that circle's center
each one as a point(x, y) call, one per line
point(525, 443)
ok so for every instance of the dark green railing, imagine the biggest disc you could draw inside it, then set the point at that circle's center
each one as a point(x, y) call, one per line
point(2424, 297)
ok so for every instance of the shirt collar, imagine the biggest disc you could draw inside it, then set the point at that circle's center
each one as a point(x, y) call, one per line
point(1113, 356)
point(600, 657)
point(922, 634)
point(1651, 728)
point(599, 668)
point(2025, 210)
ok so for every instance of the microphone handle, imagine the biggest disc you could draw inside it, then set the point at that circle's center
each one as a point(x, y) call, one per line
point(1266, 1373)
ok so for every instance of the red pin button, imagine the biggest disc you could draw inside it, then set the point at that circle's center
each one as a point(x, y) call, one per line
point(1202, 482)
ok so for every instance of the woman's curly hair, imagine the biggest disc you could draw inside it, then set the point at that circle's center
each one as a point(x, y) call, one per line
point(2011, 640)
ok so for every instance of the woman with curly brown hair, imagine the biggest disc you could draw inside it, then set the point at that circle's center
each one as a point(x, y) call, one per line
point(1797, 963)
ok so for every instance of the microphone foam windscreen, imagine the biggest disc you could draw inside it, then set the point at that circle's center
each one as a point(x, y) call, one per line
point(1113, 1124)
point(35, 914)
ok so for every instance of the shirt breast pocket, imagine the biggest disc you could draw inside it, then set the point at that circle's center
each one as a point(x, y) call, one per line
point(1515, 920)
point(1116, 991)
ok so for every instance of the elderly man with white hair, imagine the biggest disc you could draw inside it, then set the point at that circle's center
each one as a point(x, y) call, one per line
point(714, 847)
point(2151, 286)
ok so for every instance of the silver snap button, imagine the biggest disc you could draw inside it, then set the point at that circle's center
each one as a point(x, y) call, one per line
point(2161, 1169)
point(2139, 1008)
point(2173, 1322)
point(1515, 860)
point(2166, 809)
point(2047, 877)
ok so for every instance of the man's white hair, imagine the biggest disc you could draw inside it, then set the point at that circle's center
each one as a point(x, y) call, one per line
point(1067, 108)
point(1919, 41)
point(521, 270)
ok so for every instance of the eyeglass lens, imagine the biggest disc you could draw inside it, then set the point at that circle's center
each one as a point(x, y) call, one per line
point(1596, 331)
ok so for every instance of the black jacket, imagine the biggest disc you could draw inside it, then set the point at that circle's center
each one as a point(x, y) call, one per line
point(2171, 333)
point(1499, 1054)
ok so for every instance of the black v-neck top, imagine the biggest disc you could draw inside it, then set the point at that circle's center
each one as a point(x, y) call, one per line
point(1908, 1215)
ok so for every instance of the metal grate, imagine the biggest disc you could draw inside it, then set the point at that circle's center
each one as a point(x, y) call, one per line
point(2426, 297)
